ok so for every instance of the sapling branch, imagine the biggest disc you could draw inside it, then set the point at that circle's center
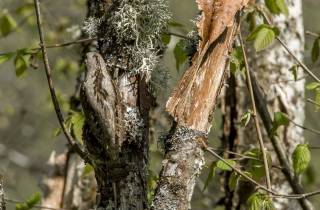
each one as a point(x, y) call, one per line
point(256, 121)
point(301, 64)
point(258, 185)
point(74, 145)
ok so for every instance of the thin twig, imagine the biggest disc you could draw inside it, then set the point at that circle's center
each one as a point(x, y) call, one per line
point(305, 128)
point(254, 115)
point(244, 156)
point(274, 194)
point(74, 145)
point(313, 102)
point(65, 44)
point(310, 33)
point(303, 66)
point(281, 154)
point(35, 206)
point(176, 34)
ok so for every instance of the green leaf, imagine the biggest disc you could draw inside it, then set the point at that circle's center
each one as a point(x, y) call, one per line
point(301, 158)
point(5, 57)
point(21, 62)
point(263, 36)
point(282, 6)
point(212, 172)
point(180, 54)
point(77, 121)
point(30, 202)
point(87, 169)
point(279, 119)
point(294, 71)
point(236, 60)
point(225, 167)
point(256, 165)
point(313, 86)
point(259, 201)
point(277, 6)
point(233, 180)
point(7, 24)
point(166, 38)
point(272, 6)
point(245, 118)
point(315, 50)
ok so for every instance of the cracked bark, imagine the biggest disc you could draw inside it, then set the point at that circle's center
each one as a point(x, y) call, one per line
point(116, 104)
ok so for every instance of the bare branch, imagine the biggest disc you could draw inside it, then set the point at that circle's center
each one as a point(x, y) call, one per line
point(256, 121)
point(74, 145)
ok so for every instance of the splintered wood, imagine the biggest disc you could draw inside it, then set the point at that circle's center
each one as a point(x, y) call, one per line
point(193, 100)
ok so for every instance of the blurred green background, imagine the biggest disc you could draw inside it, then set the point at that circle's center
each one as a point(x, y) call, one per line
point(28, 122)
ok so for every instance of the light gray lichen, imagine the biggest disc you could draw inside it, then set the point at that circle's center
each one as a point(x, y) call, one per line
point(91, 26)
point(133, 123)
point(142, 21)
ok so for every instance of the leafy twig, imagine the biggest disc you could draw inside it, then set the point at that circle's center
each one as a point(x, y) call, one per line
point(303, 66)
point(254, 115)
point(274, 194)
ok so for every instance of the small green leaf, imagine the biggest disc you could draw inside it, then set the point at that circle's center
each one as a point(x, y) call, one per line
point(224, 166)
point(279, 119)
point(272, 6)
point(30, 202)
point(263, 36)
point(313, 86)
point(277, 6)
point(21, 62)
point(301, 158)
point(282, 6)
point(212, 172)
point(294, 71)
point(245, 118)
point(7, 24)
point(180, 54)
point(87, 169)
point(259, 201)
point(5, 57)
point(77, 122)
point(236, 60)
point(315, 50)
point(233, 180)
point(166, 38)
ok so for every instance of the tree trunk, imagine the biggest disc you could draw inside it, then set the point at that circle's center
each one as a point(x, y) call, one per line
point(116, 99)
point(282, 93)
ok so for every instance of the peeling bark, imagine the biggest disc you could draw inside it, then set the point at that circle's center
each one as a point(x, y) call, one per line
point(192, 104)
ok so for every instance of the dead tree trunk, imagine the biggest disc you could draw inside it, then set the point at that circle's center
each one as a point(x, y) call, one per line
point(192, 104)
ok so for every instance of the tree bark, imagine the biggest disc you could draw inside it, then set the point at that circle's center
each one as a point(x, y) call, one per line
point(2, 201)
point(116, 99)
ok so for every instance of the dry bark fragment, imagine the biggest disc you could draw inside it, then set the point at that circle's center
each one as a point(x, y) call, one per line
point(193, 101)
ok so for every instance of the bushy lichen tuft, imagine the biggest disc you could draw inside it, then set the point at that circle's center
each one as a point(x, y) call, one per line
point(91, 26)
point(141, 22)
